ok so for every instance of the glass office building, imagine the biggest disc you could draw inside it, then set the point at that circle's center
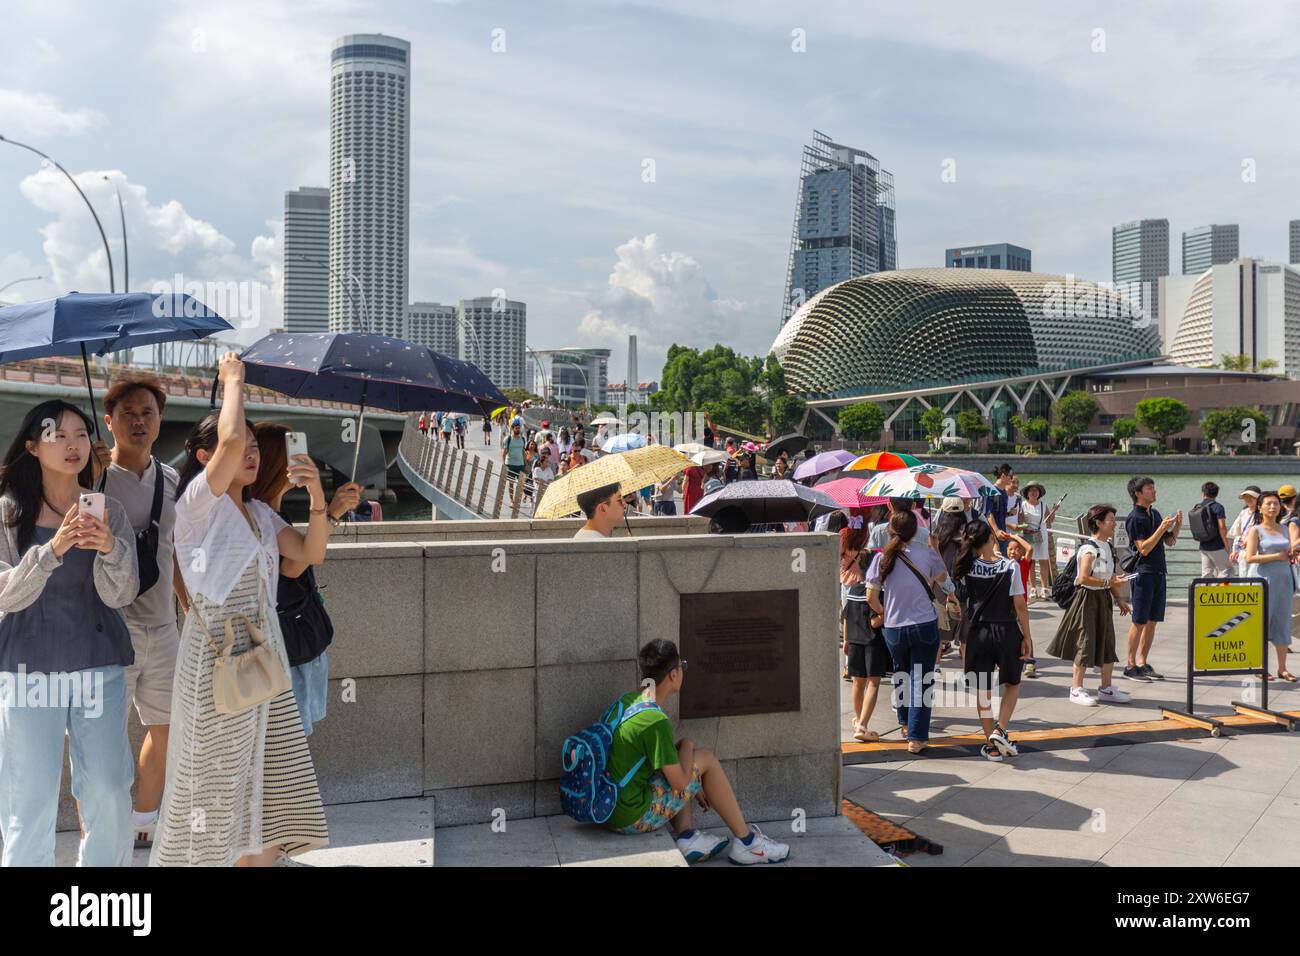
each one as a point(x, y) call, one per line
point(1207, 246)
point(1000, 255)
point(1139, 257)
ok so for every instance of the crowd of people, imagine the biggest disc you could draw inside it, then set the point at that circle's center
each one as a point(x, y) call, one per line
point(916, 586)
point(104, 552)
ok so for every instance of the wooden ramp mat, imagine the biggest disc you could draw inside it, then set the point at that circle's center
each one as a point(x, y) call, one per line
point(889, 836)
point(1073, 737)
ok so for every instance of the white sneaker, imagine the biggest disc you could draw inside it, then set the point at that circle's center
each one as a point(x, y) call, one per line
point(761, 849)
point(1080, 696)
point(701, 846)
point(1112, 695)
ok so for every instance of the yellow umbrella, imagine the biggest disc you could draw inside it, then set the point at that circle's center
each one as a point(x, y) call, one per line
point(631, 470)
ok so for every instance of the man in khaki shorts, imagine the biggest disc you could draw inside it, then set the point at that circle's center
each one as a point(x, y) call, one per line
point(133, 412)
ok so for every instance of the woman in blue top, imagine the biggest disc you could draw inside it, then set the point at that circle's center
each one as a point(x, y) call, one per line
point(1268, 556)
point(63, 645)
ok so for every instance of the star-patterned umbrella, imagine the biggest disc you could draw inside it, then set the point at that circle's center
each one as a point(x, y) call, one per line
point(375, 371)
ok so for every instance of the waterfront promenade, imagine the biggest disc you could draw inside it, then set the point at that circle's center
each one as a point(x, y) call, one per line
point(1193, 800)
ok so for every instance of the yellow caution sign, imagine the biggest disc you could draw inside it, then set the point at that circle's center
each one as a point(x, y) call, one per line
point(1228, 626)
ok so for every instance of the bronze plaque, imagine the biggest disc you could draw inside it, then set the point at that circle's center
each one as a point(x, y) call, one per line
point(742, 653)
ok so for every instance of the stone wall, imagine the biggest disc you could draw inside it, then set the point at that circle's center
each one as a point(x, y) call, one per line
point(459, 667)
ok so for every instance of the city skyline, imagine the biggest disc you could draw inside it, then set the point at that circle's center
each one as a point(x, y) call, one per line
point(529, 166)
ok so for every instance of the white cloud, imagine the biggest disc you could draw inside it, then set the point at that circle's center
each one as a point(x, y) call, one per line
point(39, 115)
point(165, 242)
point(662, 298)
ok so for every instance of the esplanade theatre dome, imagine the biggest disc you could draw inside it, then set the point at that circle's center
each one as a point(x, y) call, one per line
point(921, 328)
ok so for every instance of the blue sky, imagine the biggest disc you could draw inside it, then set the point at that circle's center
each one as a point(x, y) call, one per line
point(527, 164)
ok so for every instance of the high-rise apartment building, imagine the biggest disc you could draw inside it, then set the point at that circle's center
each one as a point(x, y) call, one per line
point(844, 223)
point(434, 326)
point(1000, 255)
point(1207, 246)
point(370, 160)
point(306, 256)
point(491, 332)
point(1295, 242)
point(1139, 257)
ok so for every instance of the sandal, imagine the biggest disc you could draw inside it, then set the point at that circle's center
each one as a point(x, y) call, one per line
point(865, 736)
point(1288, 676)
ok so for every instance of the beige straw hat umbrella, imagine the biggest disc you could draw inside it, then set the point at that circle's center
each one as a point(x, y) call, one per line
point(632, 470)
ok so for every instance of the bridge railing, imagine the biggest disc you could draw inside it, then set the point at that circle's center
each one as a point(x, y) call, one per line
point(470, 479)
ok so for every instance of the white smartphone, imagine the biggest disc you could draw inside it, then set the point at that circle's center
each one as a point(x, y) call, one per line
point(295, 443)
point(91, 503)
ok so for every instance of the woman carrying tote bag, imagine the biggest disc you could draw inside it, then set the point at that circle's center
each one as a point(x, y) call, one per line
point(241, 789)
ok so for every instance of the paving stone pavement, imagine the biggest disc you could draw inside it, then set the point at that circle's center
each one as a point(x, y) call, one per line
point(1200, 801)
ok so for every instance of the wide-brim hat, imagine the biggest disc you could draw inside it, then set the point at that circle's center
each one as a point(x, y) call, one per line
point(1033, 484)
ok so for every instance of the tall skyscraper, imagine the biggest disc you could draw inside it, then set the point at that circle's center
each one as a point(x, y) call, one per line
point(1207, 246)
point(1139, 257)
point(844, 223)
point(1295, 242)
point(1000, 255)
point(370, 160)
point(632, 376)
point(306, 280)
point(432, 325)
point(491, 332)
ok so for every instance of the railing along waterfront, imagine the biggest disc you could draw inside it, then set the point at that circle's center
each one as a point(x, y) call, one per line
point(467, 476)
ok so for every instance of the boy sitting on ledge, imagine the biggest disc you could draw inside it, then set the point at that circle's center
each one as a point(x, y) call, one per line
point(660, 791)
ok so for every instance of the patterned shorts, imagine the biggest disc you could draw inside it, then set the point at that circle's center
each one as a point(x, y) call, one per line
point(665, 803)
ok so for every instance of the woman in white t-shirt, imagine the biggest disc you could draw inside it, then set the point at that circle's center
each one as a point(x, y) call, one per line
point(249, 773)
point(1086, 634)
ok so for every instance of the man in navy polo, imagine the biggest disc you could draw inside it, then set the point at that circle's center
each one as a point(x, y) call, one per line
point(1148, 534)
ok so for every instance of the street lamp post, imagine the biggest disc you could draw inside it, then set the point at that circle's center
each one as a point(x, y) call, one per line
point(16, 281)
point(364, 311)
point(107, 252)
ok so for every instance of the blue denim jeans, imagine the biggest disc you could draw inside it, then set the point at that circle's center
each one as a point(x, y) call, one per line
point(310, 690)
point(914, 649)
point(93, 716)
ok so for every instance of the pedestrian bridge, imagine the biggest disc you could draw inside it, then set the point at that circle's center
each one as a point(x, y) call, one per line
point(463, 483)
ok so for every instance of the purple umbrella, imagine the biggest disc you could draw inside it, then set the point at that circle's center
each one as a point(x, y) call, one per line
point(821, 464)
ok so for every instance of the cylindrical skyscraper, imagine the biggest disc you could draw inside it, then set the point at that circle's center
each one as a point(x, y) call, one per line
point(370, 172)
point(633, 379)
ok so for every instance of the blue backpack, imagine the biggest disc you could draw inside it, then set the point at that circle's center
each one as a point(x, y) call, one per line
point(588, 793)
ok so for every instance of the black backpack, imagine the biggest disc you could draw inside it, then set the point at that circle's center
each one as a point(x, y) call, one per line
point(1203, 524)
point(1063, 587)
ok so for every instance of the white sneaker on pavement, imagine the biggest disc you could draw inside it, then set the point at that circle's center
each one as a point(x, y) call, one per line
point(761, 849)
point(701, 846)
point(1080, 696)
point(1112, 695)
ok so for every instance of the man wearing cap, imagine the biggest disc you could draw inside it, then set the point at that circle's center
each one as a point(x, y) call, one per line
point(1242, 523)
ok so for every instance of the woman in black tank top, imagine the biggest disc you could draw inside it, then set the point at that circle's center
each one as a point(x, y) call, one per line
point(995, 621)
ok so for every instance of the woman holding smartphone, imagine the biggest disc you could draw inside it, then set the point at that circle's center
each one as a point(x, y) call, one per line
point(64, 573)
point(306, 627)
point(241, 788)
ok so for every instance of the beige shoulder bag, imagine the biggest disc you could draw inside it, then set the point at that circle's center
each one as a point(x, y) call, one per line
point(240, 682)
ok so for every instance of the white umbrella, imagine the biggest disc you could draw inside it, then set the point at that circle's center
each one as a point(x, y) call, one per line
point(693, 447)
point(605, 420)
point(708, 456)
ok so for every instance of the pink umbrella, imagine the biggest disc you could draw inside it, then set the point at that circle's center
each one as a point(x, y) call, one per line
point(847, 493)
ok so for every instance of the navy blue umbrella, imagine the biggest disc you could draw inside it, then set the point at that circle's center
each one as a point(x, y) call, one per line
point(375, 371)
point(83, 322)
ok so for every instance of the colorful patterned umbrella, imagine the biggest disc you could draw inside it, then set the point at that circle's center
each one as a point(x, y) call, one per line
point(882, 461)
point(929, 481)
point(820, 464)
point(847, 493)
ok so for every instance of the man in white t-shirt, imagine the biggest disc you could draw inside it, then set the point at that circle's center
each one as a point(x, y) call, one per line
point(603, 507)
point(133, 413)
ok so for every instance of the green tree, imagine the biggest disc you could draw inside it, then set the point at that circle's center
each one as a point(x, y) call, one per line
point(970, 424)
point(862, 422)
point(1074, 412)
point(1268, 365)
point(1162, 416)
point(1235, 363)
point(1061, 436)
point(932, 423)
point(1227, 423)
point(787, 411)
point(741, 392)
point(1124, 429)
point(1036, 428)
point(517, 395)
